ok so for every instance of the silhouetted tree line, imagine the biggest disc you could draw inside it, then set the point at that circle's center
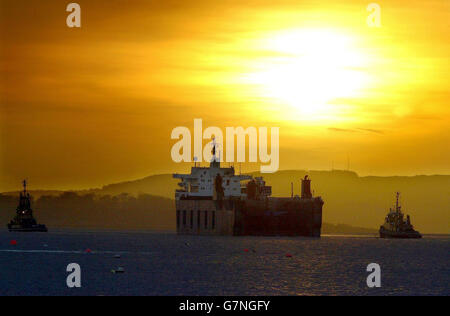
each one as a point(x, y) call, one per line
point(123, 211)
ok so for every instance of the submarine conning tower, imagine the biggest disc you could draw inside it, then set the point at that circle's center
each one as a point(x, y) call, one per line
point(306, 188)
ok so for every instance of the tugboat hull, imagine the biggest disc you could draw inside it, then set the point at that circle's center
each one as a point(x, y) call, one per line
point(400, 235)
point(35, 228)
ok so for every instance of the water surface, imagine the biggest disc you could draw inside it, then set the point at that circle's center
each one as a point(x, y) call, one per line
point(167, 264)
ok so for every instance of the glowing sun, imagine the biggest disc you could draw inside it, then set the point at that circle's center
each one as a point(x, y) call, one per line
point(309, 70)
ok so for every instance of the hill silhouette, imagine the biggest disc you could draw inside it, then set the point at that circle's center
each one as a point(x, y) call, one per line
point(349, 198)
point(74, 210)
point(350, 201)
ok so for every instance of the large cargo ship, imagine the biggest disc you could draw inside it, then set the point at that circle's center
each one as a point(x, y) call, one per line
point(215, 201)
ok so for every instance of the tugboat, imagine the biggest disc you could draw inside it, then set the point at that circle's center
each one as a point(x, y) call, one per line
point(396, 227)
point(24, 220)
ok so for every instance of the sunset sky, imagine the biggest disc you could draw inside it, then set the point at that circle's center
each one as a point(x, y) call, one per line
point(85, 107)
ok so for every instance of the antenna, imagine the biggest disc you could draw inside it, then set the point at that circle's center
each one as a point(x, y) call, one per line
point(397, 203)
point(215, 148)
point(213, 151)
point(292, 190)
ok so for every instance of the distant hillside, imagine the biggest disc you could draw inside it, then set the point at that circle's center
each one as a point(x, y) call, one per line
point(144, 212)
point(72, 210)
point(161, 185)
point(124, 211)
point(364, 201)
point(36, 193)
point(349, 199)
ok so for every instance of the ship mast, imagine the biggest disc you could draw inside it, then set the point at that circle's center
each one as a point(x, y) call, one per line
point(214, 161)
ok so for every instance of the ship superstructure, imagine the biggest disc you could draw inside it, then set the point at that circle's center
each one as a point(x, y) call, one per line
point(200, 182)
point(215, 200)
point(395, 224)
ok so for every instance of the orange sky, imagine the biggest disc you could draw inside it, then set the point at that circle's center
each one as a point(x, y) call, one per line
point(86, 107)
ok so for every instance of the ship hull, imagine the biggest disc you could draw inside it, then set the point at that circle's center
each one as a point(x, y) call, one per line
point(270, 217)
point(34, 228)
point(279, 217)
point(400, 235)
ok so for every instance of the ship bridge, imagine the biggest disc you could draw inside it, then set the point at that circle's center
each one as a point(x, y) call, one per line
point(200, 182)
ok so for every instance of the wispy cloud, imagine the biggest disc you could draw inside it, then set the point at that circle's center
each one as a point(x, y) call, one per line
point(356, 130)
point(335, 129)
point(371, 130)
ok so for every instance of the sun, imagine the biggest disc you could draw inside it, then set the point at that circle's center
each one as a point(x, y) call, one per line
point(311, 69)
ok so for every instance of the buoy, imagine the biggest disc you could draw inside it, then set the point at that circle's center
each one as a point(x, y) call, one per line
point(13, 242)
point(245, 250)
point(288, 255)
point(118, 270)
point(88, 250)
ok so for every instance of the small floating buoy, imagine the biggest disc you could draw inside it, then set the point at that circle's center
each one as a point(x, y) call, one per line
point(88, 250)
point(288, 255)
point(245, 250)
point(118, 270)
point(13, 242)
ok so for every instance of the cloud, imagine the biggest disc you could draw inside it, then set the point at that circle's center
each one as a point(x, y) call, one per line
point(335, 129)
point(371, 130)
point(357, 130)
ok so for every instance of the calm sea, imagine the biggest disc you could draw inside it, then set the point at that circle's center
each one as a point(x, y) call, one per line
point(167, 264)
